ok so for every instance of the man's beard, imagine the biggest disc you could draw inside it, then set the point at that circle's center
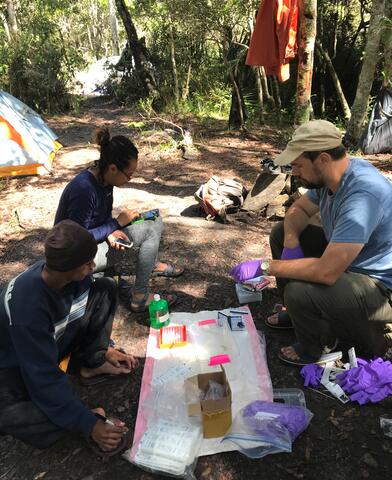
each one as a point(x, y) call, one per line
point(304, 183)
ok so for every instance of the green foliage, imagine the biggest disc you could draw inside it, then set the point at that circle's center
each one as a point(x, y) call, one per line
point(146, 105)
point(35, 64)
point(35, 78)
point(214, 103)
point(195, 49)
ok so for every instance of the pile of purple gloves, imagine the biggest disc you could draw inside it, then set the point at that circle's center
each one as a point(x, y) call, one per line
point(369, 382)
point(269, 418)
point(252, 268)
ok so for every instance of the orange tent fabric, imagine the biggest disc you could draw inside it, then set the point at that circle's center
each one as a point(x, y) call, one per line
point(27, 144)
point(274, 40)
point(9, 132)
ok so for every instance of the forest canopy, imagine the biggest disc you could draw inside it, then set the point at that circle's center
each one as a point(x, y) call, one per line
point(183, 56)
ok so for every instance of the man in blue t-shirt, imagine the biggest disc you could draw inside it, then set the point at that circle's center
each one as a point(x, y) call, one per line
point(49, 311)
point(336, 280)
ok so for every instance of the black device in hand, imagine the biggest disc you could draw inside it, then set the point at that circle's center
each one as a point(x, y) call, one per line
point(150, 214)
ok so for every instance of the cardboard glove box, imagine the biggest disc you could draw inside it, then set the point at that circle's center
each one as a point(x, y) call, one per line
point(215, 414)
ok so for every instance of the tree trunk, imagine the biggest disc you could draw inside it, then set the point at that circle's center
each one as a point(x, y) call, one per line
point(12, 21)
point(322, 91)
point(173, 61)
point(335, 79)
point(366, 77)
point(260, 94)
point(264, 84)
point(276, 94)
point(138, 51)
point(94, 30)
point(113, 27)
point(185, 90)
point(238, 98)
point(5, 26)
point(387, 41)
point(305, 60)
point(321, 67)
point(90, 41)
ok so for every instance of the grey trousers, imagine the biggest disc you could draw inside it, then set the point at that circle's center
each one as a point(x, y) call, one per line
point(146, 237)
point(356, 310)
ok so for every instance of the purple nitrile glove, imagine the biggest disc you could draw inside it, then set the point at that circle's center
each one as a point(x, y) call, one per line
point(246, 270)
point(292, 253)
point(312, 375)
point(369, 382)
point(271, 418)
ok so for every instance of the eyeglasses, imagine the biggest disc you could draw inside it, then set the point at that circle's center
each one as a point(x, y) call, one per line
point(125, 174)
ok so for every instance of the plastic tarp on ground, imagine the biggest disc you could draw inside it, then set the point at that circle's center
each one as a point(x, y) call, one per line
point(27, 144)
point(162, 396)
point(378, 135)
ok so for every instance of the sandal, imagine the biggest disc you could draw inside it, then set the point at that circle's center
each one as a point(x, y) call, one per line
point(284, 321)
point(304, 359)
point(142, 305)
point(171, 270)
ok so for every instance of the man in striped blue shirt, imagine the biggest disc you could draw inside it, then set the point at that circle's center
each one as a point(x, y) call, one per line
point(47, 312)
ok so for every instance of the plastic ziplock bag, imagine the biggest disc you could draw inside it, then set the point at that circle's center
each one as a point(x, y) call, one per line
point(169, 447)
point(168, 400)
point(211, 340)
point(262, 428)
point(214, 391)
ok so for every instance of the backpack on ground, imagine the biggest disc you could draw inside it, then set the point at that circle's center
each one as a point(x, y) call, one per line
point(219, 197)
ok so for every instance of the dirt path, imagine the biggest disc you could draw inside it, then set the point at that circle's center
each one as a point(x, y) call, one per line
point(342, 441)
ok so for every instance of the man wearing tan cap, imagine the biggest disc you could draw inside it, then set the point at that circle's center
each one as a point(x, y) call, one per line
point(336, 280)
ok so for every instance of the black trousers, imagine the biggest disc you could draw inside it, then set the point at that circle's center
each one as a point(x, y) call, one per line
point(356, 310)
point(19, 416)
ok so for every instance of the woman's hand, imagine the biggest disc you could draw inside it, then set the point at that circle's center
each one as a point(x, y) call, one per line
point(111, 239)
point(127, 216)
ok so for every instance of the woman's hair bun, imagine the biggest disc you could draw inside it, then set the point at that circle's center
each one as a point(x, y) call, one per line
point(102, 136)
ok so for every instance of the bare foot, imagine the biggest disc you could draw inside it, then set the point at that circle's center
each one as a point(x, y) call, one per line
point(106, 368)
point(290, 353)
point(116, 358)
point(161, 267)
point(274, 318)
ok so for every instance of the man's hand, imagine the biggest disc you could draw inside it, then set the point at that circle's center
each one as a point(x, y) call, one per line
point(335, 260)
point(246, 270)
point(117, 358)
point(292, 253)
point(111, 239)
point(107, 436)
point(127, 216)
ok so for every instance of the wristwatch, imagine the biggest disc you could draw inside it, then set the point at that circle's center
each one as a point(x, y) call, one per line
point(265, 264)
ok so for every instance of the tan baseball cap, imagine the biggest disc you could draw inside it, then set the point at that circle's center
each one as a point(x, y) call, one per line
point(313, 136)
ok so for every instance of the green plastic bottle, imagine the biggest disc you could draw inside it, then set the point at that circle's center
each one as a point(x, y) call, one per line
point(159, 312)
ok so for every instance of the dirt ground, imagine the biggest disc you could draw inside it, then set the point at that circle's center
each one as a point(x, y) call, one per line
point(342, 441)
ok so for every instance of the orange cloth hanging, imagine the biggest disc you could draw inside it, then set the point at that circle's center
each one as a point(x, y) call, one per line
point(274, 40)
